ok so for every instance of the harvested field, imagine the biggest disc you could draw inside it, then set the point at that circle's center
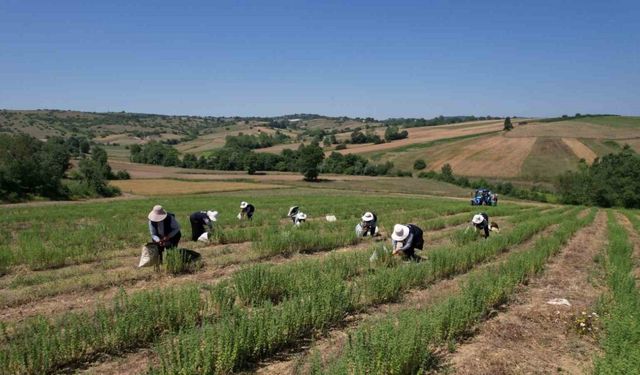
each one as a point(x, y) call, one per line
point(492, 156)
point(572, 129)
point(170, 187)
point(580, 149)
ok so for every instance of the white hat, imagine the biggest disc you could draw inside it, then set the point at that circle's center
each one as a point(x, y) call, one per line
point(400, 232)
point(301, 216)
point(477, 219)
point(213, 215)
point(368, 216)
point(157, 214)
point(243, 204)
point(292, 209)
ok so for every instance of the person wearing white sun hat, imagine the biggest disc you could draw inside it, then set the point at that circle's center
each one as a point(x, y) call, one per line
point(246, 209)
point(405, 239)
point(481, 223)
point(200, 222)
point(164, 228)
point(369, 224)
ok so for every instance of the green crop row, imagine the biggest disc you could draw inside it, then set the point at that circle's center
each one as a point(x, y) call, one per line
point(235, 341)
point(621, 342)
point(35, 346)
point(402, 343)
point(75, 234)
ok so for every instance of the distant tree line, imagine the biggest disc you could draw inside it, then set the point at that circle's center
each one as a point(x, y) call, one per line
point(262, 140)
point(31, 168)
point(440, 120)
point(612, 181)
point(307, 158)
point(535, 193)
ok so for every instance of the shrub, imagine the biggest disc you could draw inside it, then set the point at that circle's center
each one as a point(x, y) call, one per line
point(419, 165)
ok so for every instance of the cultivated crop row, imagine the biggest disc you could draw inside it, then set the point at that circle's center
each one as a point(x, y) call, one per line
point(621, 342)
point(402, 343)
point(237, 340)
point(296, 298)
point(75, 234)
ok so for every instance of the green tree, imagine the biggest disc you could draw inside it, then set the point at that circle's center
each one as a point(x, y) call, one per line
point(507, 124)
point(447, 173)
point(419, 165)
point(309, 160)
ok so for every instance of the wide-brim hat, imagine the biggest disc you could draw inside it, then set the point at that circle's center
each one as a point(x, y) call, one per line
point(368, 216)
point(301, 216)
point(213, 215)
point(292, 209)
point(243, 204)
point(157, 214)
point(400, 232)
point(477, 219)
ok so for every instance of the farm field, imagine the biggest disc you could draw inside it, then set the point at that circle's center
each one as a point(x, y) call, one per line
point(271, 298)
point(534, 152)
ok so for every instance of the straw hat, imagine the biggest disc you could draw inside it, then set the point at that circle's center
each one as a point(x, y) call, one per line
point(213, 215)
point(477, 219)
point(368, 216)
point(400, 232)
point(301, 216)
point(243, 204)
point(157, 214)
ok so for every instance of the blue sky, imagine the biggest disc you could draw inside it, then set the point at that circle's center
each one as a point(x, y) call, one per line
point(356, 58)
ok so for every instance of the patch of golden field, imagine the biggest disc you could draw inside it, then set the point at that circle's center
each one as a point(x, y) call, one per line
point(168, 187)
point(580, 149)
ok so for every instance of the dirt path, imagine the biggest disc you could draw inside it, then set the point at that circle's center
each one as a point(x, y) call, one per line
point(331, 345)
point(533, 337)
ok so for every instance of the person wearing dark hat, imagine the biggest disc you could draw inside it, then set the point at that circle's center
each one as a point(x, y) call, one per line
point(247, 210)
point(369, 224)
point(481, 223)
point(164, 229)
point(200, 222)
point(405, 239)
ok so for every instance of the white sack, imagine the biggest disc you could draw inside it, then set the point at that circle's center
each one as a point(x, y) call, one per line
point(331, 218)
point(204, 237)
point(149, 256)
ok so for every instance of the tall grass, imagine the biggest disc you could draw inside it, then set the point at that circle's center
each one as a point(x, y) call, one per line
point(621, 342)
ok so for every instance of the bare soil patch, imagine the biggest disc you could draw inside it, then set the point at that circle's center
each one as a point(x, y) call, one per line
point(580, 149)
point(533, 337)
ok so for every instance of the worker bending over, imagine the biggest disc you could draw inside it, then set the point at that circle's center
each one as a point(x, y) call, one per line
point(481, 223)
point(246, 210)
point(200, 222)
point(405, 239)
point(164, 229)
point(369, 224)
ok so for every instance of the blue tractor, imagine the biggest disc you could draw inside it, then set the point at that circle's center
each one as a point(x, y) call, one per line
point(483, 197)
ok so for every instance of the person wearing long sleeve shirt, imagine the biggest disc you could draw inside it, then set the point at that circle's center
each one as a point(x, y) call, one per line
point(200, 222)
point(246, 209)
point(164, 229)
point(481, 223)
point(405, 239)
